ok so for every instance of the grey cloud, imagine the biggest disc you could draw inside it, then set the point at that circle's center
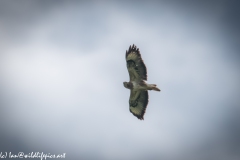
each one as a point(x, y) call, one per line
point(62, 70)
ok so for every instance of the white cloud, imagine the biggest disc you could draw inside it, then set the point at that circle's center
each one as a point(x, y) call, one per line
point(75, 94)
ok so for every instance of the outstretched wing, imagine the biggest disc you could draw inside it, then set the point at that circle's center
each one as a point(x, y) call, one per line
point(138, 103)
point(135, 65)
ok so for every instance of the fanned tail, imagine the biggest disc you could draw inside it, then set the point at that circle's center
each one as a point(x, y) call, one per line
point(153, 87)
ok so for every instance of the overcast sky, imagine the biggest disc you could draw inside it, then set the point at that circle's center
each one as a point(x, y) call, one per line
point(62, 64)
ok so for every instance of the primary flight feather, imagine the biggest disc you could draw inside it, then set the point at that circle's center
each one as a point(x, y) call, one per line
point(138, 86)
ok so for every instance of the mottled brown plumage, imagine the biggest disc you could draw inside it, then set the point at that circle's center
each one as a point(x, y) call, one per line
point(137, 70)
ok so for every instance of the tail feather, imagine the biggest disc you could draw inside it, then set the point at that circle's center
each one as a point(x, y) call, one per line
point(154, 87)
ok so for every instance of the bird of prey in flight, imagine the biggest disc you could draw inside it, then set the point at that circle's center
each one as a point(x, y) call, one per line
point(138, 86)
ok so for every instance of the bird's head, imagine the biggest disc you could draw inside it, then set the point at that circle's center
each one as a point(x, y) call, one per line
point(127, 85)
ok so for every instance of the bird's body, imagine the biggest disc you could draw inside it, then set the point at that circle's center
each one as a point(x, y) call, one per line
point(139, 87)
point(143, 86)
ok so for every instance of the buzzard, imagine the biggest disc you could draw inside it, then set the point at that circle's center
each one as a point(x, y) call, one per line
point(138, 87)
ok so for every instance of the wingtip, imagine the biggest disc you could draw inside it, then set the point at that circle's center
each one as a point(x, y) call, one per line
point(140, 118)
point(133, 47)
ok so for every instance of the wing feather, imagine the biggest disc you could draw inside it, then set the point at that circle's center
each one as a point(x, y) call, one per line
point(138, 103)
point(135, 65)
